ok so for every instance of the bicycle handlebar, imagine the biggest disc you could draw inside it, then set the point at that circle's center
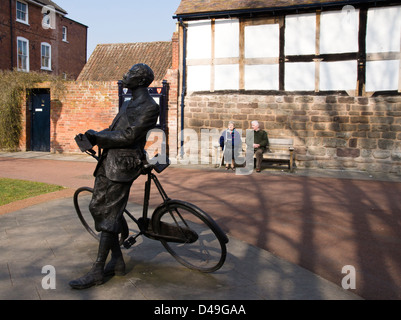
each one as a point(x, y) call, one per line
point(145, 167)
point(158, 167)
point(85, 146)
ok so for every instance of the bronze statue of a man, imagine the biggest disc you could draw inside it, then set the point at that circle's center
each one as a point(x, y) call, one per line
point(119, 165)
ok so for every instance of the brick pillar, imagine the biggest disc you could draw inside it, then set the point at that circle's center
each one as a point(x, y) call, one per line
point(172, 116)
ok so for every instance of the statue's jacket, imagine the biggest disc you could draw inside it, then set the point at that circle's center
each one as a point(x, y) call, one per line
point(124, 141)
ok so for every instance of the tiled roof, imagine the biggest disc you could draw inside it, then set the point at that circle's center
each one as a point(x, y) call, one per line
point(204, 6)
point(109, 62)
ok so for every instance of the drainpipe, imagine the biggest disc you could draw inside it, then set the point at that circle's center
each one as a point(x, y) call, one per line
point(184, 83)
point(11, 35)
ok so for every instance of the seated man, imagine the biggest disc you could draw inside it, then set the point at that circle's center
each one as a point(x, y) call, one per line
point(260, 144)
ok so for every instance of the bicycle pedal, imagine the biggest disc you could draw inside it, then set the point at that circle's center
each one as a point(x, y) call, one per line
point(129, 242)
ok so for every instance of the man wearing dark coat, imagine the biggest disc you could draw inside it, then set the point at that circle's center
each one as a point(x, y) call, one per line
point(119, 165)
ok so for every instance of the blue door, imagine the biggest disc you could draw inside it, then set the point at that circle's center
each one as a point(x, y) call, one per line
point(40, 129)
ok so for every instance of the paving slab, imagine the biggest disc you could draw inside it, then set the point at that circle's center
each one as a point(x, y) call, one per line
point(50, 234)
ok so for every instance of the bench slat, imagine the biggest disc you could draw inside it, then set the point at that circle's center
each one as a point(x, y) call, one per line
point(288, 142)
point(276, 156)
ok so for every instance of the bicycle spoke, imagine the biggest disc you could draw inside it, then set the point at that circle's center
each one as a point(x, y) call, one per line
point(206, 252)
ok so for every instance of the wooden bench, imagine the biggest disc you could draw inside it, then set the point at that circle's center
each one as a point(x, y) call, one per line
point(280, 150)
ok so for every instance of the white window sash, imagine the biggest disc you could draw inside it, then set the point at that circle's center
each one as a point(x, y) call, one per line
point(22, 54)
point(46, 56)
point(22, 16)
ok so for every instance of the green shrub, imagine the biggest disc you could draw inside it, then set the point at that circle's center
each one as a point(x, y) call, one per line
point(13, 86)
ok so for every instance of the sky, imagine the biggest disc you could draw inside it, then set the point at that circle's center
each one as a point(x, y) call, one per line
point(123, 21)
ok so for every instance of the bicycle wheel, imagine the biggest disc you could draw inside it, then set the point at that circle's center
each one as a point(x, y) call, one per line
point(82, 198)
point(202, 244)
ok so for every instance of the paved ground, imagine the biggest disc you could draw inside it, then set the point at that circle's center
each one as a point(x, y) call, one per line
point(290, 235)
point(50, 234)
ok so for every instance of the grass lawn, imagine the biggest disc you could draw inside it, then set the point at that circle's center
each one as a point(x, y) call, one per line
point(13, 190)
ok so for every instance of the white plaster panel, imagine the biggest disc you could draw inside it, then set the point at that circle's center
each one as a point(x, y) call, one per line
point(300, 76)
point(382, 75)
point(339, 31)
point(383, 30)
point(300, 34)
point(262, 41)
point(339, 75)
point(227, 38)
point(262, 77)
point(199, 44)
point(226, 77)
point(198, 78)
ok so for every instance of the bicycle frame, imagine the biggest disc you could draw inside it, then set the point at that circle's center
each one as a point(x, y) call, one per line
point(188, 233)
point(145, 210)
point(146, 170)
point(143, 221)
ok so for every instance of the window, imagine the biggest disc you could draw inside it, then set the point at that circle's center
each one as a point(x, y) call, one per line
point(22, 54)
point(22, 12)
point(65, 34)
point(46, 54)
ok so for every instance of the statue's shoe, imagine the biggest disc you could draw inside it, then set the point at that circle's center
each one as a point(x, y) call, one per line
point(93, 278)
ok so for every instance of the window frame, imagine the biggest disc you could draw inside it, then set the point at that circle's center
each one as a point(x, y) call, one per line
point(26, 21)
point(49, 67)
point(64, 35)
point(22, 39)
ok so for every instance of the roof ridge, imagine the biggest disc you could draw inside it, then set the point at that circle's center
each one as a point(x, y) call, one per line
point(131, 43)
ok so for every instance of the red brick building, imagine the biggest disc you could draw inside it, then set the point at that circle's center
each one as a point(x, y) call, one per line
point(37, 36)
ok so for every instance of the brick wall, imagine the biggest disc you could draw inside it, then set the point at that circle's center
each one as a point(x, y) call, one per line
point(71, 57)
point(336, 132)
point(5, 36)
point(90, 105)
point(84, 106)
point(172, 114)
